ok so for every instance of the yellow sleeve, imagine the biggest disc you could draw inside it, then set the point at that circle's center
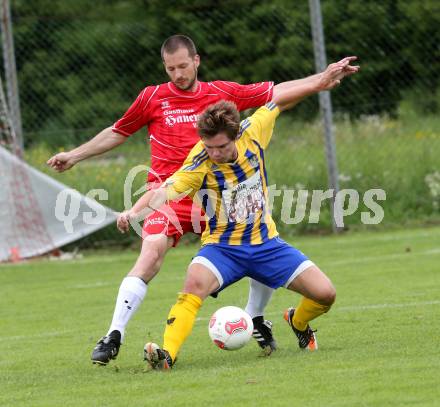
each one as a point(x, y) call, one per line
point(259, 126)
point(188, 179)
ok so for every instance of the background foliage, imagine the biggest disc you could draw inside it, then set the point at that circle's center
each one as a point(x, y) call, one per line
point(80, 66)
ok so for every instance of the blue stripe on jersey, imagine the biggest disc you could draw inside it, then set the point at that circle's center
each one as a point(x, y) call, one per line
point(195, 164)
point(246, 237)
point(249, 154)
point(239, 173)
point(262, 160)
point(224, 238)
point(207, 207)
point(220, 178)
point(241, 176)
point(199, 155)
point(197, 159)
point(212, 222)
point(202, 155)
point(271, 105)
point(263, 227)
point(243, 126)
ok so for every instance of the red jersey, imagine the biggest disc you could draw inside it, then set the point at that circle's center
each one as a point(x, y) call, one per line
point(170, 115)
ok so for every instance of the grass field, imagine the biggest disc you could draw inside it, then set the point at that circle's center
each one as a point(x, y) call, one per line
point(379, 345)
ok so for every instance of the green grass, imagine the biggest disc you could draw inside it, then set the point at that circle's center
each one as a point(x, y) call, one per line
point(378, 345)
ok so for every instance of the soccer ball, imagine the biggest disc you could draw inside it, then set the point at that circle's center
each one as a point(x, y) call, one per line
point(230, 328)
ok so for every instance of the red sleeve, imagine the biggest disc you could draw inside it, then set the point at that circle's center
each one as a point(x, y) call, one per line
point(245, 96)
point(137, 115)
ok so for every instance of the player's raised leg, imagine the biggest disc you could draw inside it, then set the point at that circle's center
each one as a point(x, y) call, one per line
point(131, 293)
point(318, 296)
point(199, 283)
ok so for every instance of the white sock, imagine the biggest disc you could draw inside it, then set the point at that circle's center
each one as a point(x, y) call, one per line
point(131, 294)
point(259, 296)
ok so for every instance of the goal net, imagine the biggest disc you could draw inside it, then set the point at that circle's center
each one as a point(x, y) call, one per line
point(37, 213)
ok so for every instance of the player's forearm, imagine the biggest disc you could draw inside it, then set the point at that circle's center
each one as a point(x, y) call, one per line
point(149, 202)
point(293, 94)
point(284, 86)
point(104, 141)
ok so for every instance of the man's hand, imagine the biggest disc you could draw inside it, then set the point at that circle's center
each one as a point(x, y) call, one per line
point(61, 162)
point(123, 221)
point(334, 73)
point(104, 141)
point(293, 92)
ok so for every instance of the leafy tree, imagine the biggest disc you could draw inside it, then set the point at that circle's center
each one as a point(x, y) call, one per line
point(81, 64)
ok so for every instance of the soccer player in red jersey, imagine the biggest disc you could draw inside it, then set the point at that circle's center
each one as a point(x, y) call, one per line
point(170, 111)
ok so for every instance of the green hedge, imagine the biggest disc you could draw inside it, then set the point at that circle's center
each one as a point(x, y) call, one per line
point(79, 66)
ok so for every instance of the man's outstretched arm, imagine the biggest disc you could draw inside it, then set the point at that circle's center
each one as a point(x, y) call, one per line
point(104, 141)
point(289, 95)
point(283, 86)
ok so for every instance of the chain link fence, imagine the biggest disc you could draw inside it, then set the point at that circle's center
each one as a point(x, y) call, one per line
point(80, 66)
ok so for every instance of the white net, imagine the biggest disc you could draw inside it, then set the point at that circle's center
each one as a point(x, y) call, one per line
point(33, 206)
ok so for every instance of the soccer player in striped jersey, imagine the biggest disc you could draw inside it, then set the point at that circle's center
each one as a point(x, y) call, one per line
point(224, 172)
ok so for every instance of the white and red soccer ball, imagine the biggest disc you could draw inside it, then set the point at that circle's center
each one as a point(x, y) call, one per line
point(230, 328)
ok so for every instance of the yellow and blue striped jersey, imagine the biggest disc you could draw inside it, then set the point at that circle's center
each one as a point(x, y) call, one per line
point(233, 195)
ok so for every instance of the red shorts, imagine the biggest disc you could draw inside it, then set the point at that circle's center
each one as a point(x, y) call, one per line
point(174, 220)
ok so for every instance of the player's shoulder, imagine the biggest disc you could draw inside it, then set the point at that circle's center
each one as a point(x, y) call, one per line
point(163, 89)
point(248, 121)
point(151, 88)
point(224, 85)
point(148, 92)
point(197, 158)
point(156, 95)
point(244, 125)
point(265, 113)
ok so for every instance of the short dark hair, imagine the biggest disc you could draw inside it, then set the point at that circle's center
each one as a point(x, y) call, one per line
point(173, 43)
point(222, 117)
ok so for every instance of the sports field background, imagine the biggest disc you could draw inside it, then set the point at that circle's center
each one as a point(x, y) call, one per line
point(379, 345)
point(80, 65)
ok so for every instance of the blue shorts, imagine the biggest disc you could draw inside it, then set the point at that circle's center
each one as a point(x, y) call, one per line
point(273, 263)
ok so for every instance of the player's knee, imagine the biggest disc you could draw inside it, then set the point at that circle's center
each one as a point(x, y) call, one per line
point(151, 256)
point(328, 296)
point(196, 286)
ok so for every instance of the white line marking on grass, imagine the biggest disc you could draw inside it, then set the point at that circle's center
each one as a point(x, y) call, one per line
point(91, 285)
point(361, 307)
point(41, 335)
point(382, 306)
point(360, 237)
point(363, 259)
point(433, 251)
